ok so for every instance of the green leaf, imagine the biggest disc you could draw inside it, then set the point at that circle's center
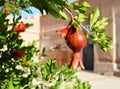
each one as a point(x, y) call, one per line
point(44, 5)
point(31, 86)
point(28, 11)
point(78, 84)
point(40, 5)
point(56, 11)
point(87, 85)
point(101, 30)
point(59, 2)
point(80, 7)
point(94, 16)
point(103, 48)
point(109, 46)
point(101, 23)
point(86, 4)
point(93, 38)
point(52, 7)
point(43, 52)
point(27, 25)
point(58, 85)
point(10, 84)
point(81, 17)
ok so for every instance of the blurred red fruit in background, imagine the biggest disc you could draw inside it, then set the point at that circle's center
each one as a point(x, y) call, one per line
point(18, 53)
point(27, 63)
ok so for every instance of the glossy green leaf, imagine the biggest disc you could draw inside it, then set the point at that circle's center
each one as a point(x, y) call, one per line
point(58, 86)
point(81, 17)
point(81, 4)
point(86, 4)
point(94, 16)
point(52, 6)
point(11, 84)
point(60, 2)
point(101, 23)
point(56, 11)
point(41, 5)
point(80, 7)
point(102, 30)
point(43, 52)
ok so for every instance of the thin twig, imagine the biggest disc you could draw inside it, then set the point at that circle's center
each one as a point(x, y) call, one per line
point(66, 9)
point(84, 28)
point(72, 19)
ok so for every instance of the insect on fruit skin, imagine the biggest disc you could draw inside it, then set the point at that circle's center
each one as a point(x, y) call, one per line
point(75, 40)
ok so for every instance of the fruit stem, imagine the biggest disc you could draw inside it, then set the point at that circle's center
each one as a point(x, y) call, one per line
point(72, 19)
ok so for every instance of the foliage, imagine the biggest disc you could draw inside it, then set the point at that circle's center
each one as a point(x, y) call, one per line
point(38, 76)
point(97, 28)
point(51, 6)
point(81, 85)
point(15, 57)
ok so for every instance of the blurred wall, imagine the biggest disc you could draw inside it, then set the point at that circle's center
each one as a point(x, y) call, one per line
point(108, 61)
point(54, 43)
point(33, 32)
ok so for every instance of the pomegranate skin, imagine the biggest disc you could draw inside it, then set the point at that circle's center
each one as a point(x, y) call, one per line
point(75, 39)
point(20, 28)
point(76, 60)
point(64, 32)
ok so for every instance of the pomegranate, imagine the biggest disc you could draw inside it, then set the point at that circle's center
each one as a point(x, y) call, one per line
point(20, 28)
point(75, 40)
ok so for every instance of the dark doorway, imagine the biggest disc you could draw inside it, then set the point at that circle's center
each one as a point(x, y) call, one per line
point(88, 56)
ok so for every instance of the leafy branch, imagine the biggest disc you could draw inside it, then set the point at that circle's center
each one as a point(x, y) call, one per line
point(77, 11)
